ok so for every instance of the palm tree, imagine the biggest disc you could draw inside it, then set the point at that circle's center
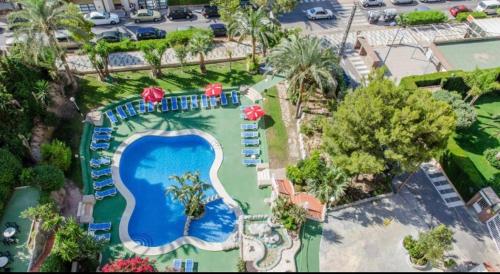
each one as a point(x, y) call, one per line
point(480, 83)
point(98, 55)
point(201, 43)
point(254, 24)
point(153, 55)
point(333, 185)
point(190, 192)
point(36, 25)
point(307, 65)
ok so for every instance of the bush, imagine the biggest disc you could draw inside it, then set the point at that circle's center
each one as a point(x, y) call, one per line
point(27, 176)
point(492, 157)
point(422, 17)
point(54, 263)
point(306, 129)
point(57, 154)
point(465, 113)
point(48, 177)
point(313, 167)
point(430, 246)
point(136, 264)
point(10, 167)
point(462, 17)
point(242, 266)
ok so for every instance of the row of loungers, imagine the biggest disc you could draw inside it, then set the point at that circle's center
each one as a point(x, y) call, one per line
point(249, 139)
point(95, 227)
point(101, 138)
point(188, 265)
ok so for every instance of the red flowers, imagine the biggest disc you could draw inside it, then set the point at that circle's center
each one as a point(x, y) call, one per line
point(136, 264)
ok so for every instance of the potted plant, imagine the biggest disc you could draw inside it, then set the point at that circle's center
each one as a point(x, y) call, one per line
point(429, 248)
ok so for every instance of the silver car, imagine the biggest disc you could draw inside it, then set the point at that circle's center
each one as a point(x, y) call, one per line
point(402, 1)
point(371, 3)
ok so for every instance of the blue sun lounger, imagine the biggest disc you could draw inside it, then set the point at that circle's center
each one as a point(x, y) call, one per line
point(204, 101)
point(103, 130)
point(249, 134)
point(223, 99)
point(104, 133)
point(98, 185)
point(101, 137)
point(164, 105)
point(99, 195)
point(194, 101)
point(189, 266)
point(99, 146)
point(251, 162)
point(184, 103)
point(96, 173)
point(111, 117)
point(101, 161)
point(250, 142)
point(142, 107)
point(106, 237)
point(234, 98)
point(99, 226)
point(151, 107)
point(130, 109)
point(252, 126)
point(213, 102)
point(177, 265)
point(175, 106)
point(250, 151)
point(121, 112)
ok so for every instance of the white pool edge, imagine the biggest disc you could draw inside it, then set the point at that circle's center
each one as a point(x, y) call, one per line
point(130, 200)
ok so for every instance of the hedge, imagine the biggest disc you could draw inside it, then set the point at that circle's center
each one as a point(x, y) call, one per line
point(422, 17)
point(462, 17)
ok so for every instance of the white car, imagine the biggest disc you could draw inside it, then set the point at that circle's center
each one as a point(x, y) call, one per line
point(102, 18)
point(319, 13)
point(371, 3)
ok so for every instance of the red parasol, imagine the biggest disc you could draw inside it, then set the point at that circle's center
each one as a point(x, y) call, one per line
point(254, 112)
point(213, 89)
point(152, 94)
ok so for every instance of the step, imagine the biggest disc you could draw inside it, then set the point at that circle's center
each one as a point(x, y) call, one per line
point(455, 204)
point(444, 187)
point(438, 179)
point(449, 195)
point(452, 199)
point(440, 183)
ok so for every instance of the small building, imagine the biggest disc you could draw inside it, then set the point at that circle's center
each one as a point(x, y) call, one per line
point(485, 203)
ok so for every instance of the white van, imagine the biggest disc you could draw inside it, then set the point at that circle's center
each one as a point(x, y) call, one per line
point(488, 6)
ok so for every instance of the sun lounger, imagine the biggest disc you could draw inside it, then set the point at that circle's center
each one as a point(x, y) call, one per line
point(213, 102)
point(250, 151)
point(189, 266)
point(121, 112)
point(99, 226)
point(102, 133)
point(243, 116)
point(98, 185)
point(164, 105)
point(250, 142)
point(249, 134)
point(100, 137)
point(99, 195)
point(234, 98)
point(151, 107)
point(184, 103)
point(177, 265)
point(111, 117)
point(103, 130)
point(130, 109)
point(96, 173)
point(223, 99)
point(142, 107)
point(106, 237)
point(252, 126)
point(204, 101)
point(194, 101)
point(101, 161)
point(99, 146)
point(175, 106)
point(251, 162)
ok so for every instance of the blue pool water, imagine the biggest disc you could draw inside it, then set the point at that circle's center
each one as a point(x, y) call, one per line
point(158, 219)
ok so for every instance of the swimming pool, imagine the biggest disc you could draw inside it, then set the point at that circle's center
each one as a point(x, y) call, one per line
point(156, 219)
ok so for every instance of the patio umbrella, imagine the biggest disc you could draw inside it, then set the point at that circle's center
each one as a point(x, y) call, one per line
point(254, 112)
point(213, 89)
point(152, 94)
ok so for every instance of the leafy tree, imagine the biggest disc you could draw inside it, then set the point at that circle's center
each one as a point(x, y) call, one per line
point(99, 57)
point(72, 243)
point(480, 83)
point(289, 214)
point(383, 128)
point(57, 154)
point(200, 44)
point(277, 6)
point(48, 177)
point(46, 214)
point(153, 54)
point(54, 263)
point(227, 8)
point(36, 25)
point(189, 192)
point(306, 63)
point(430, 246)
point(314, 167)
point(181, 52)
point(492, 155)
point(10, 167)
point(135, 264)
point(330, 186)
point(465, 113)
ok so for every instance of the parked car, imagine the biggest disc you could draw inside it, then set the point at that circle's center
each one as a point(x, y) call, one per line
point(371, 3)
point(454, 11)
point(210, 11)
point(180, 13)
point(219, 30)
point(319, 13)
point(149, 33)
point(102, 18)
point(428, 1)
point(422, 8)
point(402, 1)
point(112, 36)
point(489, 6)
point(146, 15)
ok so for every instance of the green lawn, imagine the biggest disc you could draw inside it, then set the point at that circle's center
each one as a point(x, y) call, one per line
point(276, 131)
point(307, 259)
point(465, 163)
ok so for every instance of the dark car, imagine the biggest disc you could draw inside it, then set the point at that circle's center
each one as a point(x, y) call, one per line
point(219, 30)
point(149, 33)
point(112, 36)
point(210, 11)
point(180, 13)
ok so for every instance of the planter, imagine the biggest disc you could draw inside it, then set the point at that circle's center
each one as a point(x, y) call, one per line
point(418, 267)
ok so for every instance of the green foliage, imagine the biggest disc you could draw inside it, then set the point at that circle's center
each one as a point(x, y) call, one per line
point(462, 17)
point(332, 185)
point(313, 126)
point(465, 114)
point(98, 55)
point(187, 2)
point(49, 177)
point(200, 44)
point(57, 154)
point(450, 263)
point(430, 246)
point(307, 129)
point(481, 82)
point(493, 157)
point(27, 176)
point(422, 17)
point(289, 214)
point(181, 53)
point(72, 243)
point(313, 167)
point(10, 167)
point(54, 263)
point(242, 266)
point(189, 192)
point(227, 8)
point(153, 54)
point(46, 214)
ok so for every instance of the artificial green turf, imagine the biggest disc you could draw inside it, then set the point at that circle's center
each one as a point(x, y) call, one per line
point(307, 259)
point(277, 135)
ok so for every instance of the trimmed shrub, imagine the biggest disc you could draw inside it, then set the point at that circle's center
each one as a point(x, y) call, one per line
point(57, 154)
point(462, 17)
point(491, 155)
point(54, 263)
point(465, 113)
point(48, 177)
point(422, 17)
point(27, 176)
point(136, 264)
point(10, 167)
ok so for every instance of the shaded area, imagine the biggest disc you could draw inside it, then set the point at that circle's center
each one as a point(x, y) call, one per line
point(277, 135)
point(307, 259)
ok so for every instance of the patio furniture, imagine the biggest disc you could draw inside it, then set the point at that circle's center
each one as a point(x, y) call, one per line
point(99, 195)
point(234, 98)
point(251, 162)
point(99, 146)
point(142, 106)
point(252, 126)
point(8, 255)
point(175, 106)
point(184, 103)
point(106, 237)
point(250, 151)
point(98, 185)
point(101, 172)
point(263, 175)
point(9, 232)
point(100, 137)
point(250, 142)
point(12, 224)
point(213, 102)
point(194, 101)
point(151, 107)
point(101, 161)
point(223, 99)
point(3, 261)
point(189, 265)
point(99, 226)
point(164, 105)
point(130, 109)
point(249, 134)
point(121, 112)
point(177, 265)
point(204, 101)
point(111, 116)
point(103, 130)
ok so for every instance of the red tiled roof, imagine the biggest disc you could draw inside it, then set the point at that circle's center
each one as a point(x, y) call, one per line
point(285, 187)
point(314, 206)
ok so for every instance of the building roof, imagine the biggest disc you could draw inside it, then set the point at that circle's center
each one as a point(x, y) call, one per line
point(490, 26)
point(490, 195)
point(285, 187)
point(314, 207)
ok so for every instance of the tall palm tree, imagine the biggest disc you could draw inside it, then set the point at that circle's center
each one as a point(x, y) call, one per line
point(36, 24)
point(254, 24)
point(200, 44)
point(190, 192)
point(307, 64)
point(333, 185)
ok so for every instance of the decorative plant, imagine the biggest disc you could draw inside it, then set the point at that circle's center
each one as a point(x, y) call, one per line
point(430, 247)
point(56, 153)
point(289, 214)
point(189, 192)
point(493, 157)
point(136, 264)
point(46, 214)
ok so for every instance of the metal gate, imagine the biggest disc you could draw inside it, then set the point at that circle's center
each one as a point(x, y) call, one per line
point(494, 228)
